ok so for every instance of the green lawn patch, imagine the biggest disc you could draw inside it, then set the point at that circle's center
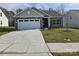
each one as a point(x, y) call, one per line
point(61, 35)
point(66, 54)
point(4, 30)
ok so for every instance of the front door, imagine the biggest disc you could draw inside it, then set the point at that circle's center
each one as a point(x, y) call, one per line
point(45, 22)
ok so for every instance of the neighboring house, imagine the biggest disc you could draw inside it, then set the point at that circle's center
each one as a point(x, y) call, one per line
point(3, 18)
point(6, 17)
point(71, 19)
point(33, 18)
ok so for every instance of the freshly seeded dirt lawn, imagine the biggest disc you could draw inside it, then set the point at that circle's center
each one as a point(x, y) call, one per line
point(4, 30)
point(61, 35)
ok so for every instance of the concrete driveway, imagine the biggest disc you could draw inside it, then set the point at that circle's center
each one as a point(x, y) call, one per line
point(26, 42)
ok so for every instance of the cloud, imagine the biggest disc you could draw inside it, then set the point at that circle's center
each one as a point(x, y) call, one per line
point(72, 6)
point(14, 6)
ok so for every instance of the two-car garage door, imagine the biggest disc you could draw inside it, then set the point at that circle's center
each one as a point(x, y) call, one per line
point(28, 23)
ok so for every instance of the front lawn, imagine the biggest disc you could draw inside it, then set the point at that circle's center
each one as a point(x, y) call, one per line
point(4, 30)
point(61, 35)
point(66, 54)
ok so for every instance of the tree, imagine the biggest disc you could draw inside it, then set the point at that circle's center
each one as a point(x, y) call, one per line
point(18, 10)
point(11, 18)
point(11, 13)
point(61, 9)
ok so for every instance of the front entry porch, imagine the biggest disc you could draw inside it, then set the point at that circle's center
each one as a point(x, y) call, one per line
point(52, 22)
point(45, 22)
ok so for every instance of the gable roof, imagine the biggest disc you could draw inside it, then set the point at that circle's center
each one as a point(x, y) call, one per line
point(46, 13)
point(5, 12)
point(51, 13)
point(27, 10)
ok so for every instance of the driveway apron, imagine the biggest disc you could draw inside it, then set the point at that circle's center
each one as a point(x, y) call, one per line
point(26, 42)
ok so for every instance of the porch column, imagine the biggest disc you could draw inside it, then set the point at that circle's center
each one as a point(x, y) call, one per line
point(48, 22)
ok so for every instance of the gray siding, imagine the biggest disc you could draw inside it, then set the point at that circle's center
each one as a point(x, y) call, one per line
point(71, 19)
point(29, 13)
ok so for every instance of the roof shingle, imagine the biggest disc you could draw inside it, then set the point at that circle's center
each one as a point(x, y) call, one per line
point(48, 12)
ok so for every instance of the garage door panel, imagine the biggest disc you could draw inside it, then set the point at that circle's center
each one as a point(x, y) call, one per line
point(29, 24)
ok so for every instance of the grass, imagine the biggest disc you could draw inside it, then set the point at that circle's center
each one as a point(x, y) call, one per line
point(66, 54)
point(61, 35)
point(4, 30)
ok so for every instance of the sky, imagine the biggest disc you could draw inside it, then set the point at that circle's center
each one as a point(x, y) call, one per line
point(14, 6)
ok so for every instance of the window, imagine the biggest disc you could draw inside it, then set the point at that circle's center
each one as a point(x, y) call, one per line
point(31, 20)
point(36, 20)
point(0, 14)
point(56, 22)
point(20, 20)
point(26, 20)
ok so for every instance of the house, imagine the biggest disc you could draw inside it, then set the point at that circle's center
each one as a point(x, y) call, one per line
point(3, 18)
point(33, 18)
point(71, 19)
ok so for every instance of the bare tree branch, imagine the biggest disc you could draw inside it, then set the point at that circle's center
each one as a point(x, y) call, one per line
point(61, 9)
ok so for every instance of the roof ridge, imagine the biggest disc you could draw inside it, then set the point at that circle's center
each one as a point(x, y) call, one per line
point(41, 11)
point(4, 10)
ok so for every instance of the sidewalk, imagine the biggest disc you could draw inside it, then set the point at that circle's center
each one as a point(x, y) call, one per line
point(63, 47)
